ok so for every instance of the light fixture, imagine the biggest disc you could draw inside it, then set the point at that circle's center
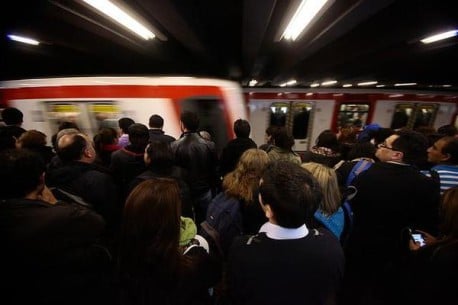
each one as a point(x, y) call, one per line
point(380, 86)
point(289, 83)
point(404, 84)
point(329, 83)
point(440, 36)
point(367, 83)
point(347, 85)
point(314, 85)
point(304, 15)
point(121, 17)
point(24, 39)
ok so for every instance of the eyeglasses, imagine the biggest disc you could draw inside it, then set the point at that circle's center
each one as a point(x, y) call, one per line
point(383, 145)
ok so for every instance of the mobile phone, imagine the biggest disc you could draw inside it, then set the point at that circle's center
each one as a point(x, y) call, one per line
point(418, 238)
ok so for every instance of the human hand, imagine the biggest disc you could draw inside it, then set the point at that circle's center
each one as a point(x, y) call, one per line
point(429, 239)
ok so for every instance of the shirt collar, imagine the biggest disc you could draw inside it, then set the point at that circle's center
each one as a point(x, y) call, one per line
point(277, 232)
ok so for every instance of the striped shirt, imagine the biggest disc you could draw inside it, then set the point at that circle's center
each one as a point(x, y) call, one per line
point(448, 175)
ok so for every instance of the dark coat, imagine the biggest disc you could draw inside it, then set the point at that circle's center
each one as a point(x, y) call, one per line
point(159, 135)
point(231, 154)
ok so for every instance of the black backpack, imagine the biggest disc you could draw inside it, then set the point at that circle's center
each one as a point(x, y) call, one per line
point(223, 222)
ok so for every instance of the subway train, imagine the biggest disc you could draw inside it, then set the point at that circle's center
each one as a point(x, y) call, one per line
point(95, 102)
point(307, 112)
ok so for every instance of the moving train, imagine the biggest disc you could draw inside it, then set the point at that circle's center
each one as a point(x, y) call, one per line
point(95, 102)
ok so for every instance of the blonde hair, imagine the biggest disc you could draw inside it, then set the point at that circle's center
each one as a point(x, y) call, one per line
point(241, 182)
point(327, 179)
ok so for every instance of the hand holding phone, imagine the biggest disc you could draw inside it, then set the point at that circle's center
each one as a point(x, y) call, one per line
point(418, 239)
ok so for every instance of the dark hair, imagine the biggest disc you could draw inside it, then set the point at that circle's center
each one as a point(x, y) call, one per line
point(138, 135)
point(20, 172)
point(362, 150)
point(447, 130)
point(242, 128)
point(12, 116)
point(105, 136)
point(73, 150)
point(328, 139)
point(156, 121)
point(124, 124)
point(190, 120)
point(381, 134)
point(149, 241)
point(292, 193)
point(413, 145)
point(283, 139)
point(161, 156)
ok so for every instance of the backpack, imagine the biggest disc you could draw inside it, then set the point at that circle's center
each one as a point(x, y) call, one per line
point(223, 222)
point(361, 166)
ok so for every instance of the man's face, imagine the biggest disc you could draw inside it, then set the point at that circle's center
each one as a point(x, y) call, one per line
point(435, 154)
point(385, 151)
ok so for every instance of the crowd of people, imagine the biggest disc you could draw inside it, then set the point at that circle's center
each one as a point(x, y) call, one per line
point(118, 218)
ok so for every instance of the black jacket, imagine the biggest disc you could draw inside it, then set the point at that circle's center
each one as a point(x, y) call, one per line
point(199, 158)
point(232, 152)
point(159, 135)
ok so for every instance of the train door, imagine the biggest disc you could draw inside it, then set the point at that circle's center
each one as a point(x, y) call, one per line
point(212, 117)
point(354, 113)
point(296, 116)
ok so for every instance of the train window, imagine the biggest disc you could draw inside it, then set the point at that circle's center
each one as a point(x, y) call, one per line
point(212, 117)
point(103, 115)
point(425, 115)
point(352, 113)
point(58, 112)
point(413, 115)
point(402, 115)
point(278, 114)
point(301, 115)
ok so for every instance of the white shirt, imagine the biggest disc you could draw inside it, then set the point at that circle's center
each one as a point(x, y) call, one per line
point(274, 231)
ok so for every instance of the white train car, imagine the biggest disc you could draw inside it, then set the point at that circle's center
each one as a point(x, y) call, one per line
point(94, 102)
point(306, 113)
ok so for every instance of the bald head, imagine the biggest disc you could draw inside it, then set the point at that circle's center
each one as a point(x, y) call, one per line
point(75, 147)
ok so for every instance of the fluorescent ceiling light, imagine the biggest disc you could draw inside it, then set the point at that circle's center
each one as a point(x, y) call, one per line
point(347, 85)
point(289, 83)
point(314, 85)
point(404, 84)
point(329, 83)
point(380, 86)
point(121, 17)
point(440, 36)
point(24, 39)
point(252, 82)
point(304, 14)
point(367, 83)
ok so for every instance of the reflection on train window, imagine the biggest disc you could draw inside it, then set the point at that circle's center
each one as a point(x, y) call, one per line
point(301, 115)
point(413, 115)
point(211, 112)
point(59, 112)
point(353, 114)
point(278, 114)
point(89, 116)
point(103, 115)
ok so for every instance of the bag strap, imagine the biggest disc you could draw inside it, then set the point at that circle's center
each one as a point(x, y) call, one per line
point(357, 169)
point(73, 198)
point(213, 234)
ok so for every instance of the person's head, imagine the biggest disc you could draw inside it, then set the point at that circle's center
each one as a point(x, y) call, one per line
point(283, 139)
point(138, 135)
point(76, 147)
point(31, 139)
point(448, 130)
point(444, 150)
point(405, 146)
point(151, 227)
point(449, 212)
point(21, 173)
point(244, 179)
point(270, 132)
point(124, 124)
point(328, 139)
point(289, 194)
point(242, 128)
point(156, 121)
point(189, 121)
point(105, 136)
point(362, 150)
point(327, 179)
point(12, 116)
point(381, 134)
point(159, 155)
